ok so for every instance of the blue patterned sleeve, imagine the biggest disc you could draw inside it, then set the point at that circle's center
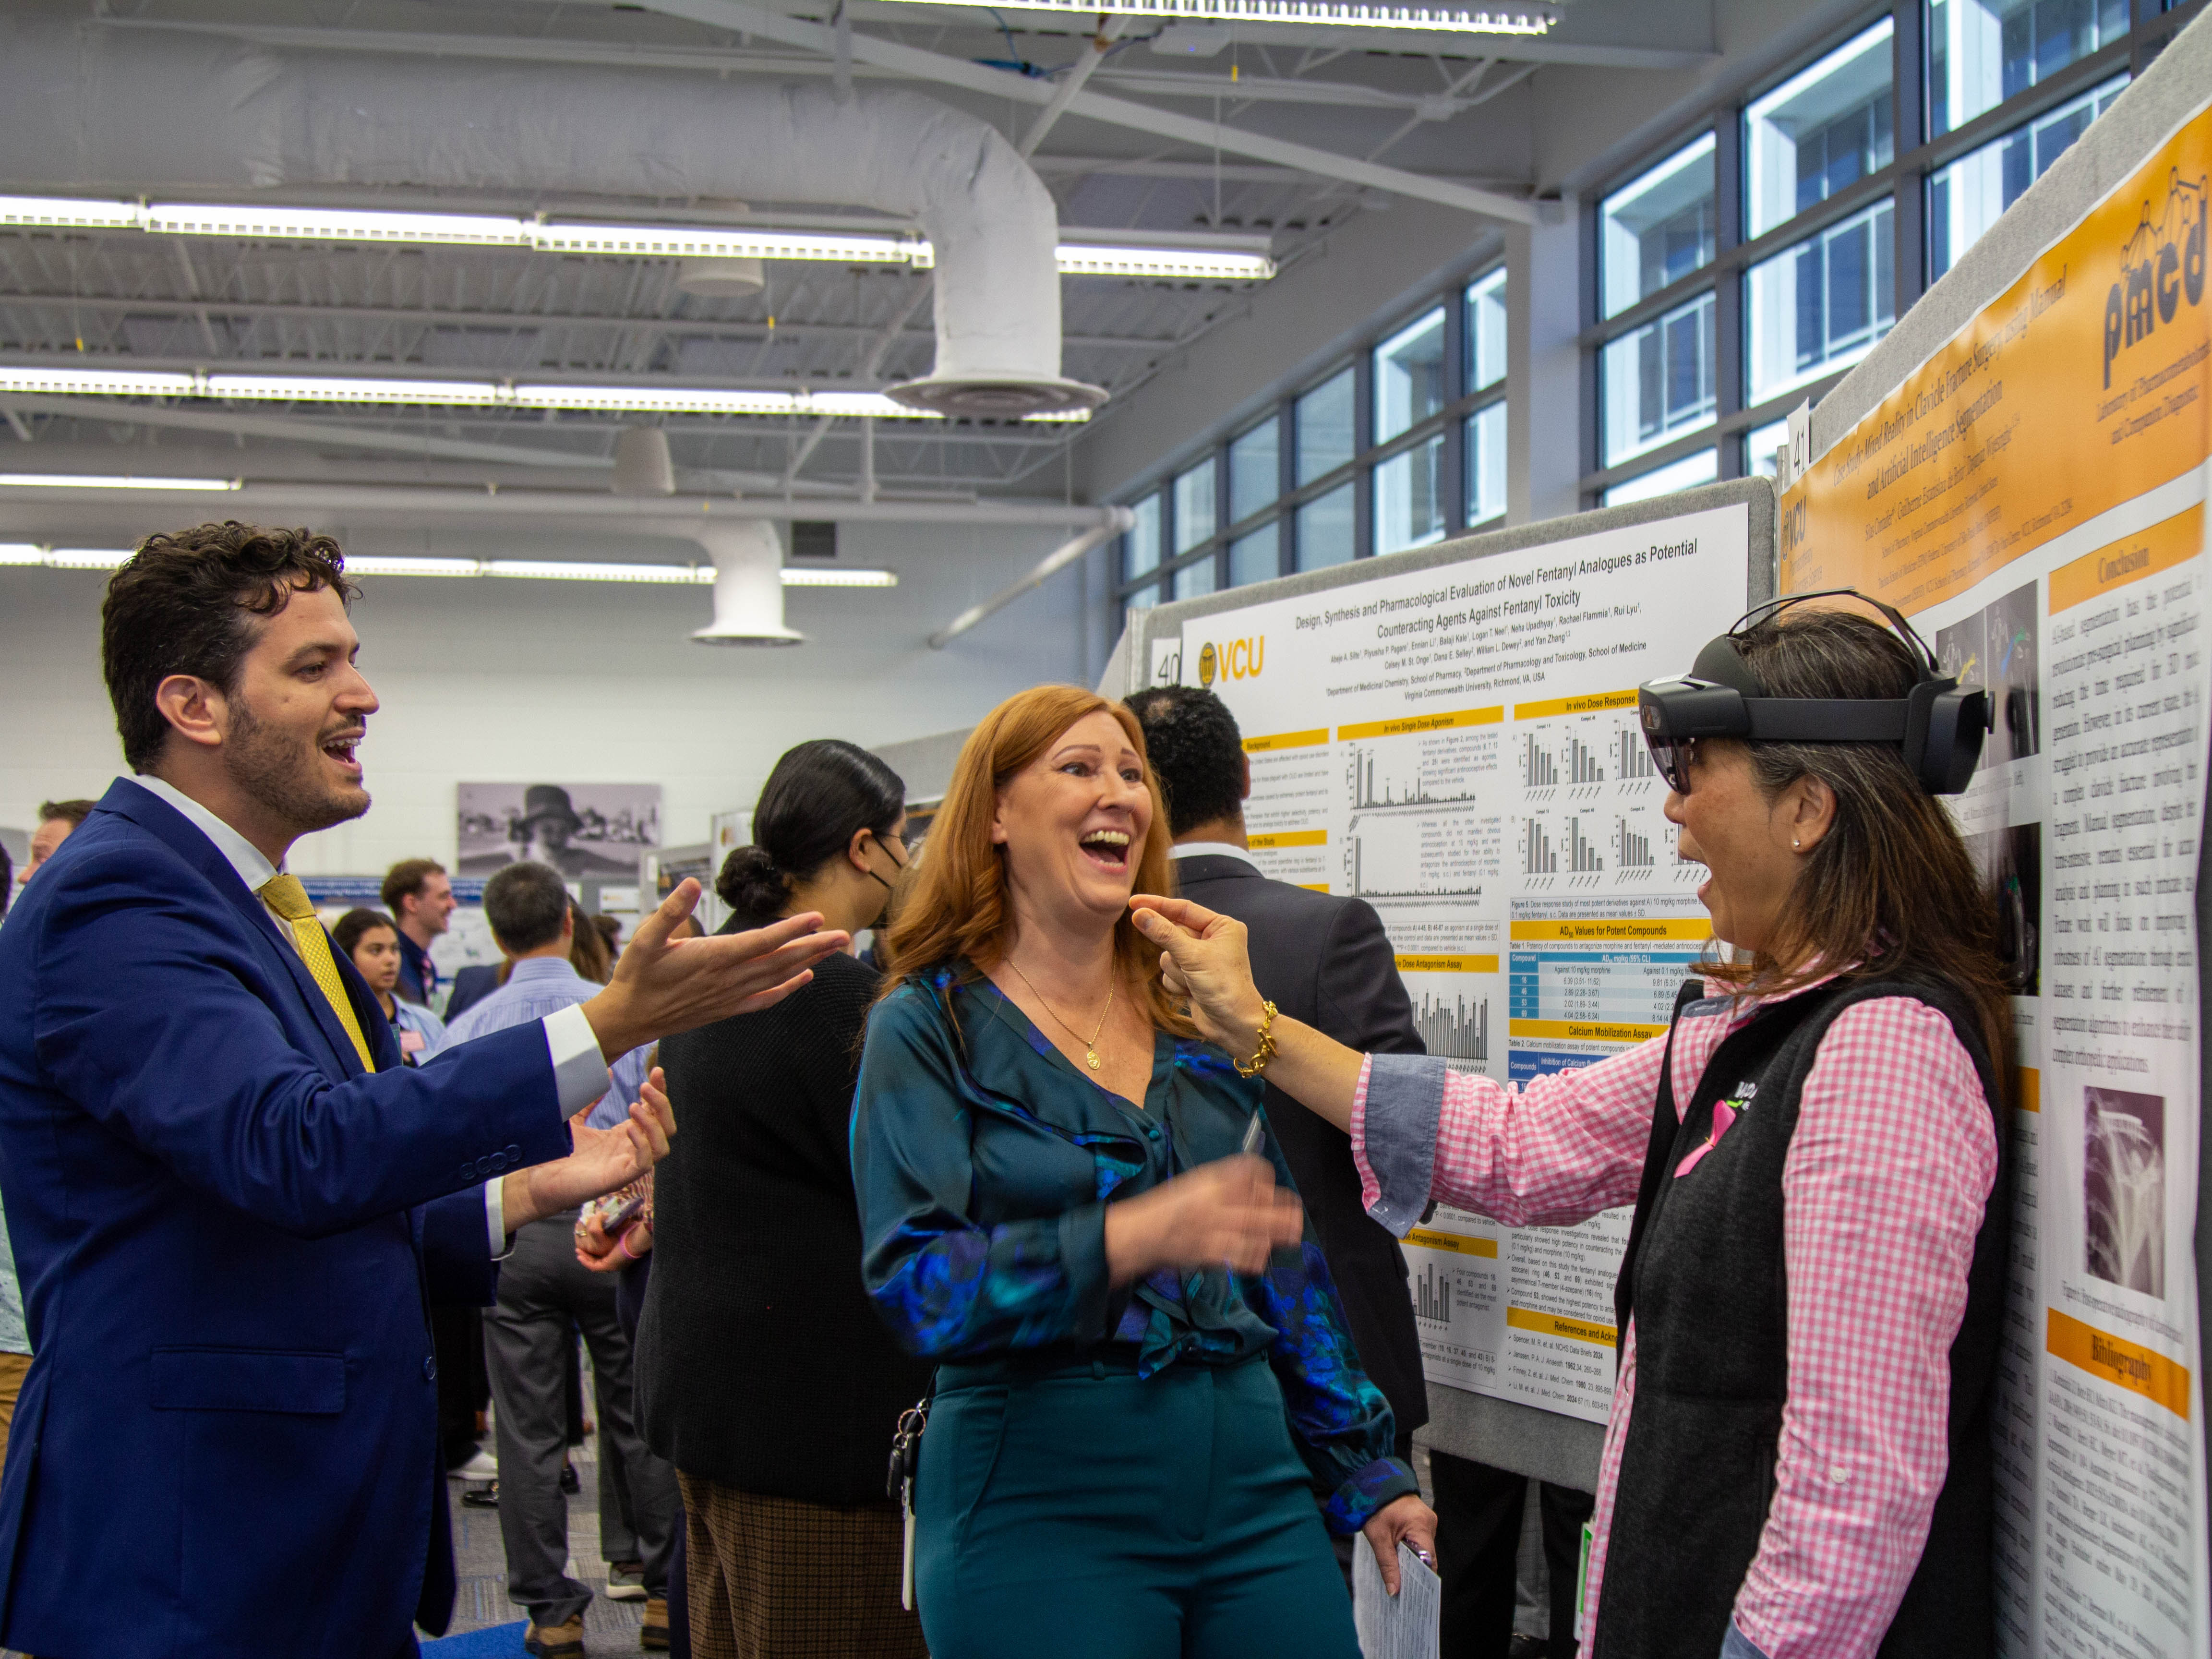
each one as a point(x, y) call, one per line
point(1340, 1420)
point(948, 1287)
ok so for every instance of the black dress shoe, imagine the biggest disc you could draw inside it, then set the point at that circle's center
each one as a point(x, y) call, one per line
point(571, 1482)
point(485, 1496)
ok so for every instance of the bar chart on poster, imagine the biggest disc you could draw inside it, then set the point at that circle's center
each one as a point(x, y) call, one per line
point(1458, 747)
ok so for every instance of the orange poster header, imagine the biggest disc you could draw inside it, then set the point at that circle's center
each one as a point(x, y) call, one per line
point(2139, 1369)
point(2081, 386)
point(2130, 559)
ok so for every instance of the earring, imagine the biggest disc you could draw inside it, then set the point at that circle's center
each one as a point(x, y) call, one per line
point(1794, 841)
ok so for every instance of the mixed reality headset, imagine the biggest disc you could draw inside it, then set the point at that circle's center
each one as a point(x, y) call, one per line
point(1938, 727)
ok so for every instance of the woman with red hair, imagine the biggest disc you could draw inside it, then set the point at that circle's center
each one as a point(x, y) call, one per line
point(1144, 1378)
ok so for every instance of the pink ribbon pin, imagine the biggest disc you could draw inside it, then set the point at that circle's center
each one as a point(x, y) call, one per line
point(1724, 1118)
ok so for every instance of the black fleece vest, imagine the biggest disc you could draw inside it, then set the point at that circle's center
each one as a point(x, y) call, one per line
point(1704, 1275)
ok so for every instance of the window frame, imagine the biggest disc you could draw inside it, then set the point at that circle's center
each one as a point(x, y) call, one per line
point(1460, 407)
point(1915, 158)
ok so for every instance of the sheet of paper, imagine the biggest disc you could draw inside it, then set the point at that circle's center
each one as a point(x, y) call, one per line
point(1401, 1626)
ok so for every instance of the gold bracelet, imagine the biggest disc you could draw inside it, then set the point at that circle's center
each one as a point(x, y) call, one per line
point(1266, 1051)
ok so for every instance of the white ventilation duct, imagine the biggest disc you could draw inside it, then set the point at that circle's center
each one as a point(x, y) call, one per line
point(642, 464)
point(748, 562)
point(130, 112)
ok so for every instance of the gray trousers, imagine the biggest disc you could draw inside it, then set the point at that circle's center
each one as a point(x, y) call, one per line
point(543, 1290)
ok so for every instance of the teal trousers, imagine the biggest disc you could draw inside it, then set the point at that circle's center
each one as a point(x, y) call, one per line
point(1084, 1513)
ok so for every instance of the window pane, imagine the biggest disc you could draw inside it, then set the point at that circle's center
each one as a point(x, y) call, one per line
point(1195, 580)
point(1965, 198)
point(1701, 468)
point(1140, 548)
point(1759, 447)
point(1980, 53)
point(1409, 510)
point(1253, 558)
point(1324, 423)
point(1821, 130)
point(1194, 509)
point(1325, 530)
point(1409, 376)
point(1657, 383)
point(1822, 304)
point(1253, 477)
point(1485, 331)
point(1658, 229)
point(1486, 464)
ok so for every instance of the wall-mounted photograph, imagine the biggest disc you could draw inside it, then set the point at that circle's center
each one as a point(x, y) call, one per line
point(580, 828)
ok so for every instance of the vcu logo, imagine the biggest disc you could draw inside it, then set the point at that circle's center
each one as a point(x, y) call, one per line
point(2161, 264)
point(1238, 659)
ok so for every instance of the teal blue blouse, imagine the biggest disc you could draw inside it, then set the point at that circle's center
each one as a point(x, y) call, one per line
point(984, 1162)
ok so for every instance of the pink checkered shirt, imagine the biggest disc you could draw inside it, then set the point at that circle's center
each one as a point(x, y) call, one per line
point(1882, 1193)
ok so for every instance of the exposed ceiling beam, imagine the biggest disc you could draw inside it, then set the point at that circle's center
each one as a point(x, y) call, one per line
point(1097, 106)
point(522, 320)
point(1416, 43)
point(1111, 29)
point(676, 515)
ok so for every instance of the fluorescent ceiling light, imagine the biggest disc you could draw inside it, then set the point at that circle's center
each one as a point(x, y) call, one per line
point(265, 222)
point(821, 576)
point(103, 382)
point(31, 554)
point(1455, 20)
point(350, 389)
point(291, 224)
point(550, 570)
point(101, 481)
point(372, 565)
point(438, 394)
point(67, 213)
point(697, 242)
point(1092, 260)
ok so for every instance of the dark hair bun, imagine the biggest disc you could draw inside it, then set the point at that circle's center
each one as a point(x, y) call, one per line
point(752, 885)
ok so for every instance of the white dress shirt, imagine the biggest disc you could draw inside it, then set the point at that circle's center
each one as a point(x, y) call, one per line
point(579, 1073)
point(1210, 849)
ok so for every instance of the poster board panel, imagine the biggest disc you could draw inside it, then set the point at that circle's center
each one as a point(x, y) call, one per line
point(1454, 743)
point(2032, 494)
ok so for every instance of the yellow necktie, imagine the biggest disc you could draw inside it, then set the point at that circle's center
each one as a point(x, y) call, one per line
point(288, 899)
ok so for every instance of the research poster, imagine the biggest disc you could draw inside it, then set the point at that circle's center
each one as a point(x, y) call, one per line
point(2033, 495)
point(1458, 746)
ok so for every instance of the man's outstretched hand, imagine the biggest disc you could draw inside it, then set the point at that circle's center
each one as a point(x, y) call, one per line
point(602, 1160)
point(663, 985)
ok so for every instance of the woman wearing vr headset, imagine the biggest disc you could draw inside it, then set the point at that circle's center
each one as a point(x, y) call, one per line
point(1799, 1460)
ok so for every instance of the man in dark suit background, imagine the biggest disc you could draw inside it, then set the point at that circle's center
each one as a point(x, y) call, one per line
point(1326, 961)
point(231, 1203)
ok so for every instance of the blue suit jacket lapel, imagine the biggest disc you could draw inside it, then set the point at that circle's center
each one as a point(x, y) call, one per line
point(183, 837)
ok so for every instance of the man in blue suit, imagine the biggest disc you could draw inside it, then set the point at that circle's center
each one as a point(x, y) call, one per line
point(231, 1205)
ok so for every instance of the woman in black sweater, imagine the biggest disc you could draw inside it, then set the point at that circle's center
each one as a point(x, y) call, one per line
point(763, 1374)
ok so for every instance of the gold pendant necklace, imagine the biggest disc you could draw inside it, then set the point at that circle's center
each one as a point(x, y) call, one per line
point(1090, 1043)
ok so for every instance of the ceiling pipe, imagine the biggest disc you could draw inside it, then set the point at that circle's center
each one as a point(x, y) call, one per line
point(99, 109)
point(1057, 559)
point(748, 560)
point(1109, 30)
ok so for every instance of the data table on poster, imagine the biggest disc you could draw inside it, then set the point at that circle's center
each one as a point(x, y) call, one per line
point(1613, 988)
